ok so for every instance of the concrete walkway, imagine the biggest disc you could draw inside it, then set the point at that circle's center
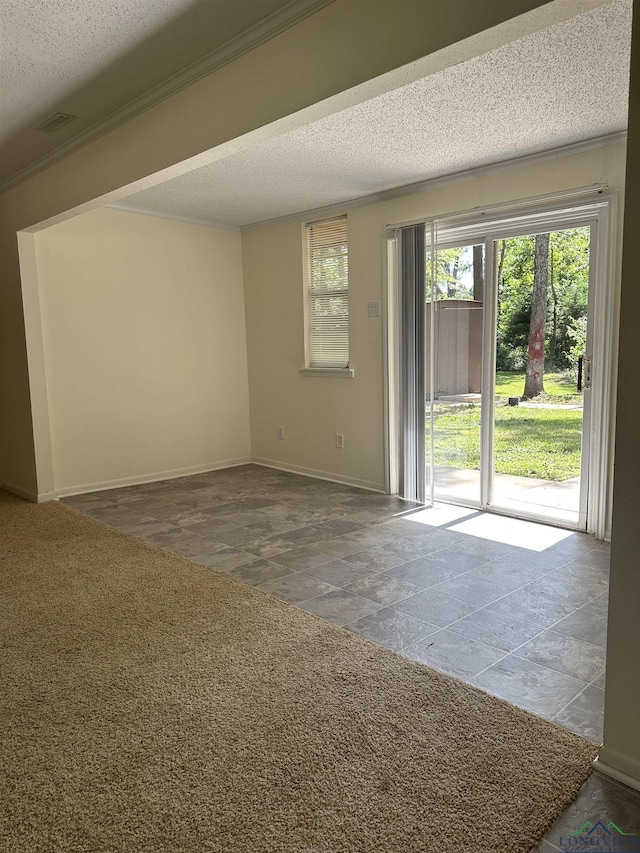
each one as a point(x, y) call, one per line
point(556, 500)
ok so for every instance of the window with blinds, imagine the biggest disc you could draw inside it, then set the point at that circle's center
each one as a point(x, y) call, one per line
point(327, 294)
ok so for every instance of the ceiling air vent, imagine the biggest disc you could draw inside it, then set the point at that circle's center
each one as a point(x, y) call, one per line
point(56, 122)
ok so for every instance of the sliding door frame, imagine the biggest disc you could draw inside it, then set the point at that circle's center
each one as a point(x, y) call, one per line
point(590, 206)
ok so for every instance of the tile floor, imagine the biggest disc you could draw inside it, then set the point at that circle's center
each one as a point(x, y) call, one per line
point(445, 586)
point(515, 608)
point(600, 799)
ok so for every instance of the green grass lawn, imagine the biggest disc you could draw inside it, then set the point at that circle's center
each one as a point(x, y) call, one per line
point(558, 387)
point(540, 443)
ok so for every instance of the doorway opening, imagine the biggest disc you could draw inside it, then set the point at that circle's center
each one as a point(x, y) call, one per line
point(536, 396)
point(515, 341)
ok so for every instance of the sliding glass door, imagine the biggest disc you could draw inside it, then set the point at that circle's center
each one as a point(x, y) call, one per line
point(496, 334)
point(542, 382)
point(454, 355)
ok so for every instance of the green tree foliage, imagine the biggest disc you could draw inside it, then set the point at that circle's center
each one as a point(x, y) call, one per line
point(567, 295)
point(514, 302)
point(453, 279)
point(534, 378)
point(578, 336)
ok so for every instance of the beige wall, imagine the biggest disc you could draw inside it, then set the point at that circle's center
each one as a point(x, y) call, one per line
point(144, 347)
point(313, 409)
point(277, 86)
point(621, 752)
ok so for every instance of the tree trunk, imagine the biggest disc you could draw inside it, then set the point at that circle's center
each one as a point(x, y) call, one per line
point(503, 251)
point(452, 285)
point(551, 360)
point(501, 254)
point(478, 273)
point(534, 378)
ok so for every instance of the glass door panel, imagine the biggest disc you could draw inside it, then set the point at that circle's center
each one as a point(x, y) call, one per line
point(454, 334)
point(540, 396)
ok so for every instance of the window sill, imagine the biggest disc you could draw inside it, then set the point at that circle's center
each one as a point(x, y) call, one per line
point(340, 372)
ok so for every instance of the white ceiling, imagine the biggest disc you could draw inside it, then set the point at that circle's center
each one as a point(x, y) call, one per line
point(91, 58)
point(561, 85)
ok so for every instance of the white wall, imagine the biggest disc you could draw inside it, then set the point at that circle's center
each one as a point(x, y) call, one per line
point(144, 348)
point(313, 409)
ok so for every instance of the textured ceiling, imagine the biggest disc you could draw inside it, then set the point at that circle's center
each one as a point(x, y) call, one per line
point(91, 57)
point(560, 85)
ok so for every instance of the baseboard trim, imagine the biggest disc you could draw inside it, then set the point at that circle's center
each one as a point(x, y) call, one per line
point(138, 480)
point(121, 482)
point(629, 776)
point(319, 475)
point(25, 493)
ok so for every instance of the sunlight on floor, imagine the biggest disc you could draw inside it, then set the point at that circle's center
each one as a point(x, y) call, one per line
point(440, 515)
point(485, 525)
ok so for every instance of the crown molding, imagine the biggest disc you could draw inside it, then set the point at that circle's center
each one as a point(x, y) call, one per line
point(159, 214)
point(266, 29)
point(451, 178)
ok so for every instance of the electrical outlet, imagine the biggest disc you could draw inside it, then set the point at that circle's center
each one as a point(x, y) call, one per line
point(373, 308)
point(340, 440)
point(280, 432)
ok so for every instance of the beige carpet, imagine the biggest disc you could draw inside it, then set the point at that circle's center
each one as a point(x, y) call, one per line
point(149, 704)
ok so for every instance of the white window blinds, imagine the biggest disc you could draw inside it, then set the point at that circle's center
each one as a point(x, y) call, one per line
point(328, 294)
